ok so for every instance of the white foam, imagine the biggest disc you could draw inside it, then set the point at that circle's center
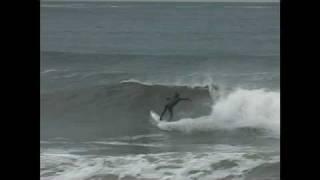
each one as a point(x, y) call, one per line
point(241, 108)
point(119, 143)
point(137, 137)
point(48, 70)
point(170, 165)
point(250, 7)
point(148, 136)
point(136, 81)
point(191, 83)
point(61, 5)
point(50, 6)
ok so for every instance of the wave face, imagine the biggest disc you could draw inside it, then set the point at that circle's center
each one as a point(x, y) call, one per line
point(123, 108)
point(115, 109)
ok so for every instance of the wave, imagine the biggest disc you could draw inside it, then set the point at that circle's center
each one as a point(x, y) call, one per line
point(257, 109)
point(62, 5)
point(229, 162)
point(208, 84)
point(139, 137)
point(120, 143)
point(114, 108)
point(136, 81)
point(250, 7)
point(123, 109)
point(48, 71)
point(79, 4)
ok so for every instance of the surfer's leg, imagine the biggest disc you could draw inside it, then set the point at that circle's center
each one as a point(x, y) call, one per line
point(171, 113)
point(163, 112)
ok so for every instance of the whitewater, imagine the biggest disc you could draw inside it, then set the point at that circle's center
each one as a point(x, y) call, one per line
point(240, 109)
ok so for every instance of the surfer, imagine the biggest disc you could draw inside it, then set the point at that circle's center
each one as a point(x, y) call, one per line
point(172, 102)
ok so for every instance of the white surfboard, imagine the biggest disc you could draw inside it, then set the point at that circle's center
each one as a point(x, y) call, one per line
point(161, 124)
point(155, 118)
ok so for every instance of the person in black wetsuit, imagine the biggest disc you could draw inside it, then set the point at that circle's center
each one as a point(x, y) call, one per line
point(172, 102)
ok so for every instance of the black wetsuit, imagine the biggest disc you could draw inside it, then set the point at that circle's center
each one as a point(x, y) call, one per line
point(171, 104)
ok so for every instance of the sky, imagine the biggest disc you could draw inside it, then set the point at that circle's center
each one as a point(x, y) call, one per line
point(172, 0)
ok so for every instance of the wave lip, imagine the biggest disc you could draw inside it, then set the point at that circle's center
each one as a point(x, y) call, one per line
point(136, 81)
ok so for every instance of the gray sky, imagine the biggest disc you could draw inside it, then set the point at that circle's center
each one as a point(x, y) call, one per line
point(169, 0)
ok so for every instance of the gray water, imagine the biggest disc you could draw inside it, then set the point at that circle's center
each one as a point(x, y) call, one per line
point(106, 65)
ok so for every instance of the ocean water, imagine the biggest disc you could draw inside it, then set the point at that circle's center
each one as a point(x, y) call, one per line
point(106, 65)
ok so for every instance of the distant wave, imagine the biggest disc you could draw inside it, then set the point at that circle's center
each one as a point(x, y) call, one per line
point(250, 7)
point(63, 5)
point(81, 5)
point(48, 70)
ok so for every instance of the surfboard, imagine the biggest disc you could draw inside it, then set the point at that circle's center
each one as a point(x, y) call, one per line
point(161, 124)
point(155, 118)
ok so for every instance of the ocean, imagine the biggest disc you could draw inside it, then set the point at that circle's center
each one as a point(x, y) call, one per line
point(106, 65)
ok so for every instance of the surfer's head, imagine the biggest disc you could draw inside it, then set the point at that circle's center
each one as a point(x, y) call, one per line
point(176, 94)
